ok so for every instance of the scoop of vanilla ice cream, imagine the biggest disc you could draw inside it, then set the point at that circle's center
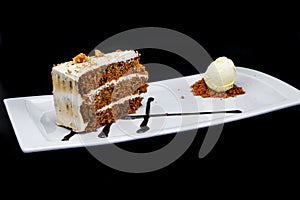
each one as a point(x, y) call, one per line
point(220, 74)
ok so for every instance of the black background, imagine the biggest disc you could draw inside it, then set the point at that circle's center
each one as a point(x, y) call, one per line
point(253, 156)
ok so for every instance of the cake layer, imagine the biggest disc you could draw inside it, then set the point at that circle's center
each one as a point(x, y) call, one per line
point(92, 72)
point(117, 111)
point(121, 89)
point(82, 64)
point(116, 91)
point(97, 77)
point(90, 109)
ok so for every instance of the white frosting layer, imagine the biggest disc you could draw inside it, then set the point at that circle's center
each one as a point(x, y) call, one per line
point(92, 93)
point(120, 101)
point(75, 70)
point(67, 101)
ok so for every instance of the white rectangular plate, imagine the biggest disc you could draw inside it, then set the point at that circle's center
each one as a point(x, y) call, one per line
point(33, 118)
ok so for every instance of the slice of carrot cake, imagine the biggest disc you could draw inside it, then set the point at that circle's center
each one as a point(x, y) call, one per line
point(91, 91)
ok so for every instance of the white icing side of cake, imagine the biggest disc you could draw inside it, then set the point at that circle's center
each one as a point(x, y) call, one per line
point(67, 102)
point(69, 117)
point(75, 70)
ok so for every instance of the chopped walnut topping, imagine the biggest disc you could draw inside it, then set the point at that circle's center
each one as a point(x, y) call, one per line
point(98, 53)
point(69, 71)
point(80, 58)
point(118, 50)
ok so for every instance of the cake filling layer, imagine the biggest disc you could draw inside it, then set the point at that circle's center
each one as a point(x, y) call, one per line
point(116, 111)
point(92, 93)
point(120, 101)
point(95, 78)
point(116, 92)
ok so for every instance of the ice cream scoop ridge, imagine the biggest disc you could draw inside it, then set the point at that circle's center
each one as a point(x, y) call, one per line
point(220, 74)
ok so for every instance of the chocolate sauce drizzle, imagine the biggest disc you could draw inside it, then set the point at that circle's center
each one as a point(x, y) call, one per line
point(105, 131)
point(68, 136)
point(143, 126)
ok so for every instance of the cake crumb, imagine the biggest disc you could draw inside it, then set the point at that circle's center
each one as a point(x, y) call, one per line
point(200, 88)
